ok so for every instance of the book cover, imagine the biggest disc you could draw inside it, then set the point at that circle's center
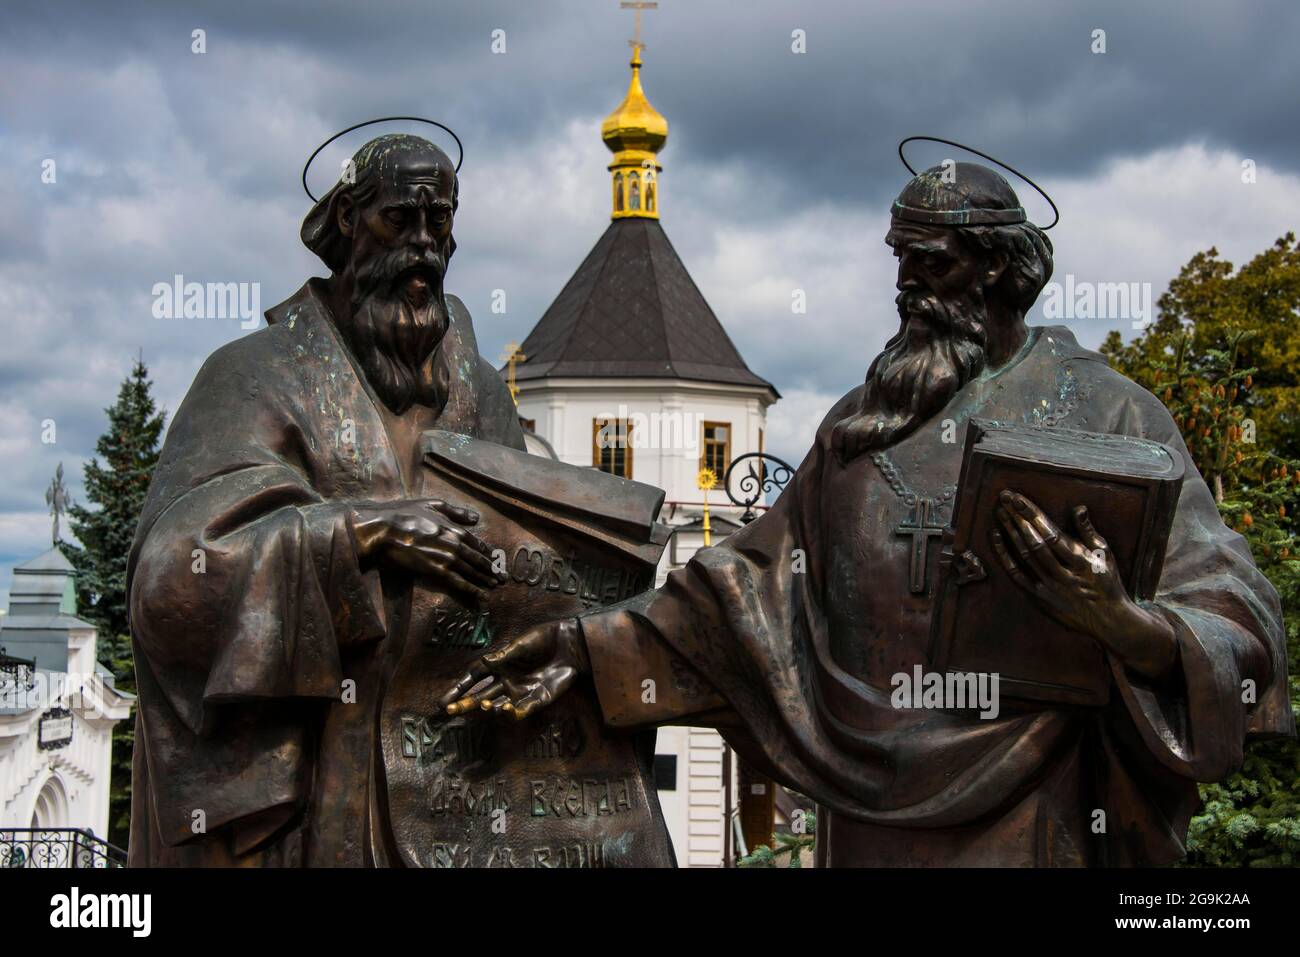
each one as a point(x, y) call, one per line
point(486, 791)
point(986, 622)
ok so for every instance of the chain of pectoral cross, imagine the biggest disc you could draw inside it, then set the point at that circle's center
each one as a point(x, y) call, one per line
point(920, 525)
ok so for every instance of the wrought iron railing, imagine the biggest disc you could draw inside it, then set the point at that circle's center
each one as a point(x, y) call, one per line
point(57, 847)
point(16, 674)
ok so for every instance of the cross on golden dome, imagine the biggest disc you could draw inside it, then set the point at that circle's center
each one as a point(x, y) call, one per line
point(638, 6)
point(634, 133)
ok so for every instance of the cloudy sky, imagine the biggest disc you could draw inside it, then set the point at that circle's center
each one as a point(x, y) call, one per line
point(778, 172)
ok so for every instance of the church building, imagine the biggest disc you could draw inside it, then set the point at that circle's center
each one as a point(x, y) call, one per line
point(58, 707)
point(630, 371)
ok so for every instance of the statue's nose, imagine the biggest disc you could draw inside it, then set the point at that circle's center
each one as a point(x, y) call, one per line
point(421, 235)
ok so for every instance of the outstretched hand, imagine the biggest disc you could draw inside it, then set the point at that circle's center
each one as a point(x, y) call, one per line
point(528, 673)
point(1076, 581)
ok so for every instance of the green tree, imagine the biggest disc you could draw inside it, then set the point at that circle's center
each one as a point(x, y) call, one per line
point(783, 844)
point(1211, 303)
point(1240, 426)
point(117, 487)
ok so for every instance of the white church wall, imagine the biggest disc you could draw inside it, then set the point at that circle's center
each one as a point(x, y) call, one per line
point(668, 417)
point(62, 787)
point(66, 783)
point(674, 411)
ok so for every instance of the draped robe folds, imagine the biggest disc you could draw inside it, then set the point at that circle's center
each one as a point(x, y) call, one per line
point(787, 635)
point(259, 640)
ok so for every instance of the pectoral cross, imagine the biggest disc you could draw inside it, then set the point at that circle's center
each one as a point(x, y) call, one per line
point(922, 529)
point(638, 6)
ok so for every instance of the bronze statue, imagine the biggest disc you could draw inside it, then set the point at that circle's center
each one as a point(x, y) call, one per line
point(286, 527)
point(790, 636)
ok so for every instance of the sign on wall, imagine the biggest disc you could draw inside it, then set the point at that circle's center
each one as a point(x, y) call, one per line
point(55, 729)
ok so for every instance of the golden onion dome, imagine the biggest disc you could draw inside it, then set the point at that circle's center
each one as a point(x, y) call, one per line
point(635, 124)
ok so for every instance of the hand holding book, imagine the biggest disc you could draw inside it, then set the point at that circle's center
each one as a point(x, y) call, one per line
point(1077, 582)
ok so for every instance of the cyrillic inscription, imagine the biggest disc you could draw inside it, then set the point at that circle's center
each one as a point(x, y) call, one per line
point(458, 796)
point(459, 628)
point(593, 584)
point(460, 743)
point(559, 739)
point(581, 797)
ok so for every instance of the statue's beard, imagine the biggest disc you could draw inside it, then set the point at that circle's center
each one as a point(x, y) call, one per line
point(399, 315)
point(939, 348)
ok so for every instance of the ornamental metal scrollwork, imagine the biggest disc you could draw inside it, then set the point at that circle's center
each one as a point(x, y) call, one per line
point(757, 480)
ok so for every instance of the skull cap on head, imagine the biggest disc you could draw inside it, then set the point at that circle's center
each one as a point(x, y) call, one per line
point(376, 161)
point(387, 151)
point(959, 194)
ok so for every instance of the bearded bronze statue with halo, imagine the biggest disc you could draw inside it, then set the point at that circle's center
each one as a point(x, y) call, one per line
point(414, 644)
point(1065, 556)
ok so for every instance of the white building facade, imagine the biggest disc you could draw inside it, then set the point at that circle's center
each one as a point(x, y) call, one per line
point(58, 707)
point(630, 371)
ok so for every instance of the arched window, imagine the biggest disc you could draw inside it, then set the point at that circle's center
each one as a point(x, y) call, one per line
point(618, 192)
point(649, 193)
point(634, 190)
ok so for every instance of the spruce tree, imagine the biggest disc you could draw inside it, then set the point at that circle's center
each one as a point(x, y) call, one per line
point(116, 481)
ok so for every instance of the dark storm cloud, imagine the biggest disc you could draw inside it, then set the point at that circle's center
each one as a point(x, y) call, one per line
point(778, 171)
point(1016, 77)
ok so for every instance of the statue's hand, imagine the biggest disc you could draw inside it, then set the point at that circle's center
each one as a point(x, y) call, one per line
point(427, 538)
point(527, 673)
point(1076, 581)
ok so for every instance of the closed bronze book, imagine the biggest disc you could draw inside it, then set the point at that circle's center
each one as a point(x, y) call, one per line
point(987, 623)
point(489, 791)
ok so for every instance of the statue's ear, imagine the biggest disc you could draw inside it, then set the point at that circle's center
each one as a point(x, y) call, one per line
point(995, 266)
point(345, 214)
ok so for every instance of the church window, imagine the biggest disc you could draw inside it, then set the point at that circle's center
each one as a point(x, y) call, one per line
point(634, 190)
point(611, 446)
point(618, 192)
point(665, 772)
point(717, 447)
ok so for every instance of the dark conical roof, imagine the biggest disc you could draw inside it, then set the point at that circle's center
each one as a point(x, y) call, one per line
point(632, 310)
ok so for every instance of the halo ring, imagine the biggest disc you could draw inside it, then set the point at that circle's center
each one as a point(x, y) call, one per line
point(383, 119)
point(968, 149)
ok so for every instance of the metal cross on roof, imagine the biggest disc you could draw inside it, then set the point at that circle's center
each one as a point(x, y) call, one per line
point(512, 356)
point(58, 499)
point(638, 6)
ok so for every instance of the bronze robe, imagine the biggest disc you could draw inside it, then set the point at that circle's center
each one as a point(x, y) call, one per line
point(259, 641)
point(800, 664)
